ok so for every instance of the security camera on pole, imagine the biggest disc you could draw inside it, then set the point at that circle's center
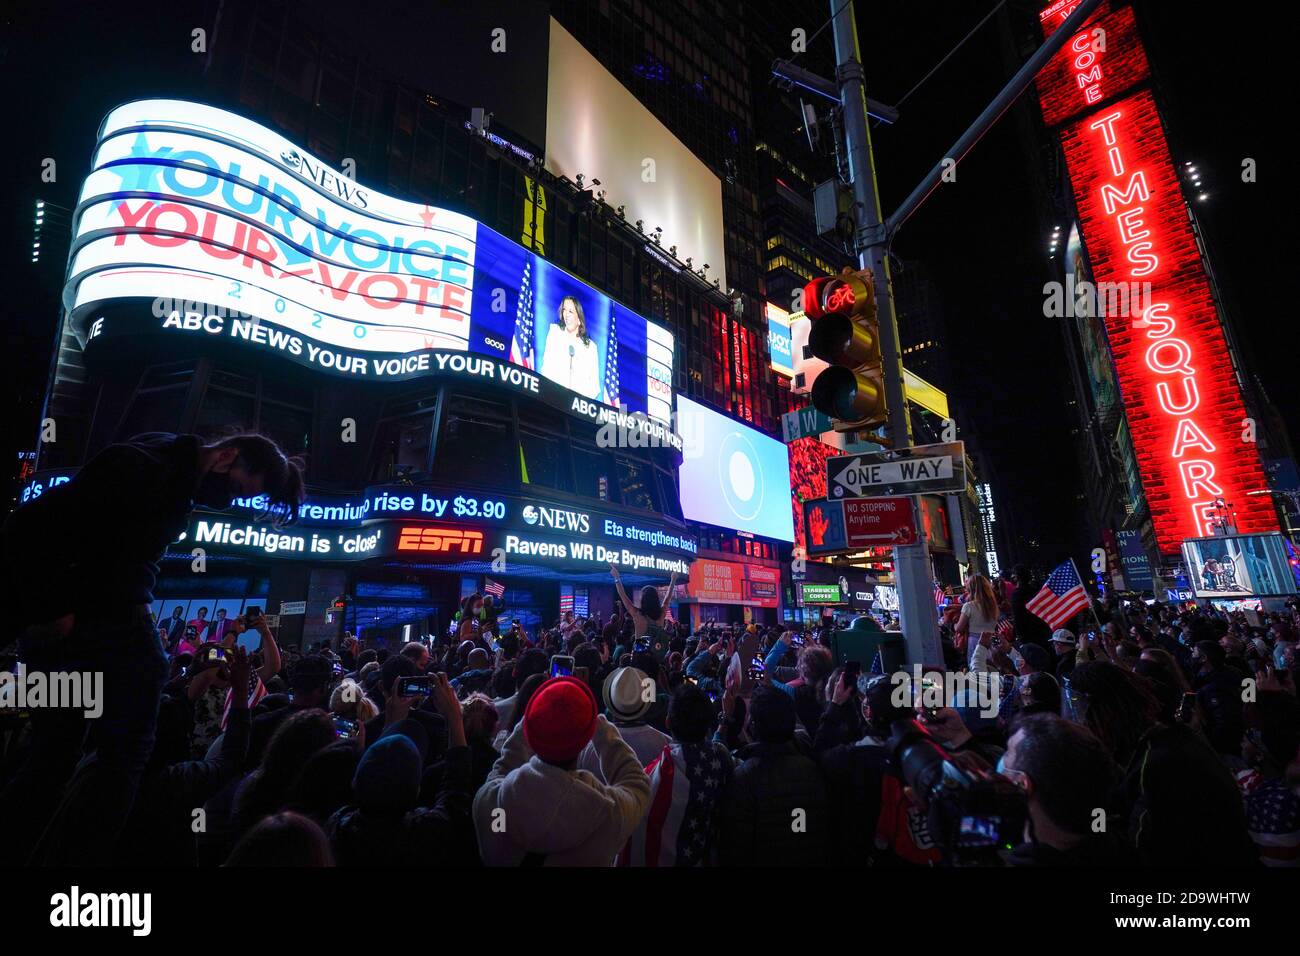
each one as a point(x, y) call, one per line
point(872, 236)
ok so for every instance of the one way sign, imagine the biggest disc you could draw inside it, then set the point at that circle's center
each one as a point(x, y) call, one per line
point(909, 471)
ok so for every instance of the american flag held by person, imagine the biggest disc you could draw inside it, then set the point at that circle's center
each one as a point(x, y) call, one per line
point(685, 789)
point(256, 691)
point(494, 588)
point(1061, 597)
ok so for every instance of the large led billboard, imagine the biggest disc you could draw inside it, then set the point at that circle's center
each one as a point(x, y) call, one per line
point(1186, 415)
point(595, 127)
point(1238, 566)
point(731, 475)
point(779, 344)
point(241, 235)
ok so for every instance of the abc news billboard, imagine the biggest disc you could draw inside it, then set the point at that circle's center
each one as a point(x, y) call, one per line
point(230, 231)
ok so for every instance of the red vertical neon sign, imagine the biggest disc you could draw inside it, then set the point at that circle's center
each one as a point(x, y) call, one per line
point(1180, 392)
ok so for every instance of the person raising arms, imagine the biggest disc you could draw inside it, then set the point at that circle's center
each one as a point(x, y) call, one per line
point(647, 620)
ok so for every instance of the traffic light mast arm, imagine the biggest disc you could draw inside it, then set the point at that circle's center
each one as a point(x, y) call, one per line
point(992, 113)
point(872, 237)
point(874, 233)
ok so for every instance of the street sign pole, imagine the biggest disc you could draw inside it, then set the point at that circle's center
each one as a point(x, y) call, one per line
point(911, 565)
point(912, 576)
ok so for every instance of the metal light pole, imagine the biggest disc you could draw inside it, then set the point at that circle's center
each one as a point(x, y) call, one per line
point(912, 572)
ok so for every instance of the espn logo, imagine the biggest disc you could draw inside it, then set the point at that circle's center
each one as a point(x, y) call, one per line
point(440, 539)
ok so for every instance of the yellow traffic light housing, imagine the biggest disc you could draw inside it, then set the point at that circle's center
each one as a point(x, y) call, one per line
point(845, 334)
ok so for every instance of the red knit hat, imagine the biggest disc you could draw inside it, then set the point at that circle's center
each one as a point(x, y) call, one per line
point(560, 719)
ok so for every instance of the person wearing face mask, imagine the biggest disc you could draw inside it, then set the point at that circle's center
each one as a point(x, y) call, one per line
point(1067, 776)
point(78, 567)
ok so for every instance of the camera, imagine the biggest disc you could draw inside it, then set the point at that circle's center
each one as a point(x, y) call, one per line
point(346, 728)
point(561, 665)
point(972, 817)
point(641, 646)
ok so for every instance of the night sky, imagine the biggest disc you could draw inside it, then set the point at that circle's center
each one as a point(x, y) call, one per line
point(1226, 98)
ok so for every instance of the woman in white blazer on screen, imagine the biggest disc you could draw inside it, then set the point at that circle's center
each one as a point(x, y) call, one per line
point(571, 358)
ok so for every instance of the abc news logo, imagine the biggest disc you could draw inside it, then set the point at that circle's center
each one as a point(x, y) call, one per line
point(557, 518)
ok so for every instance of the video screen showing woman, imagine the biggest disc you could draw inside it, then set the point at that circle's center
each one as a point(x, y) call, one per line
point(571, 358)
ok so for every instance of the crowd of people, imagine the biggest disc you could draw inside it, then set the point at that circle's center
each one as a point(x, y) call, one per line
point(1165, 735)
point(1162, 734)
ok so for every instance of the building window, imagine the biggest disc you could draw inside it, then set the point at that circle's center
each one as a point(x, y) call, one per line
point(475, 445)
point(229, 405)
point(402, 448)
point(159, 400)
point(592, 470)
point(636, 483)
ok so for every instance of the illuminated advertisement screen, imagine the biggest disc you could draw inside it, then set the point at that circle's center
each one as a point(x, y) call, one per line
point(1237, 566)
point(887, 597)
point(820, 594)
point(780, 346)
point(731, 475)
point(424, 543)
point(807, 481)
point(234, 232)
point(730, 582)
point(427, 523)
point(1176, 378)
point(598, 129)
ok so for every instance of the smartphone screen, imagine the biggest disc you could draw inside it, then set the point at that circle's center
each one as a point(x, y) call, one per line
point(345, 728)
point(413, 687)
point(561, 665)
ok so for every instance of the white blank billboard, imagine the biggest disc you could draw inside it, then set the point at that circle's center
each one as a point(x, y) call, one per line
point(594, 126)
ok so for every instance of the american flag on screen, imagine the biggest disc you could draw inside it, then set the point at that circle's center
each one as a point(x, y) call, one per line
point(1061, 598)
point(494, 588)
point(611, 362)
point(523, 345)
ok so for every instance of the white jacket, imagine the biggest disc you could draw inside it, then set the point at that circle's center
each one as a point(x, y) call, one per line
point(529, 806)
point(570, 362)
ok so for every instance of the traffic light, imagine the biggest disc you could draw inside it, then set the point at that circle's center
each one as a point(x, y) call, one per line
point(846, 334)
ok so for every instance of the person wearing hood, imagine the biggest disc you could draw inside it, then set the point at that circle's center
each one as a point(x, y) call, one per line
point(385, 826)
point(775, 809)
point(537, 808)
